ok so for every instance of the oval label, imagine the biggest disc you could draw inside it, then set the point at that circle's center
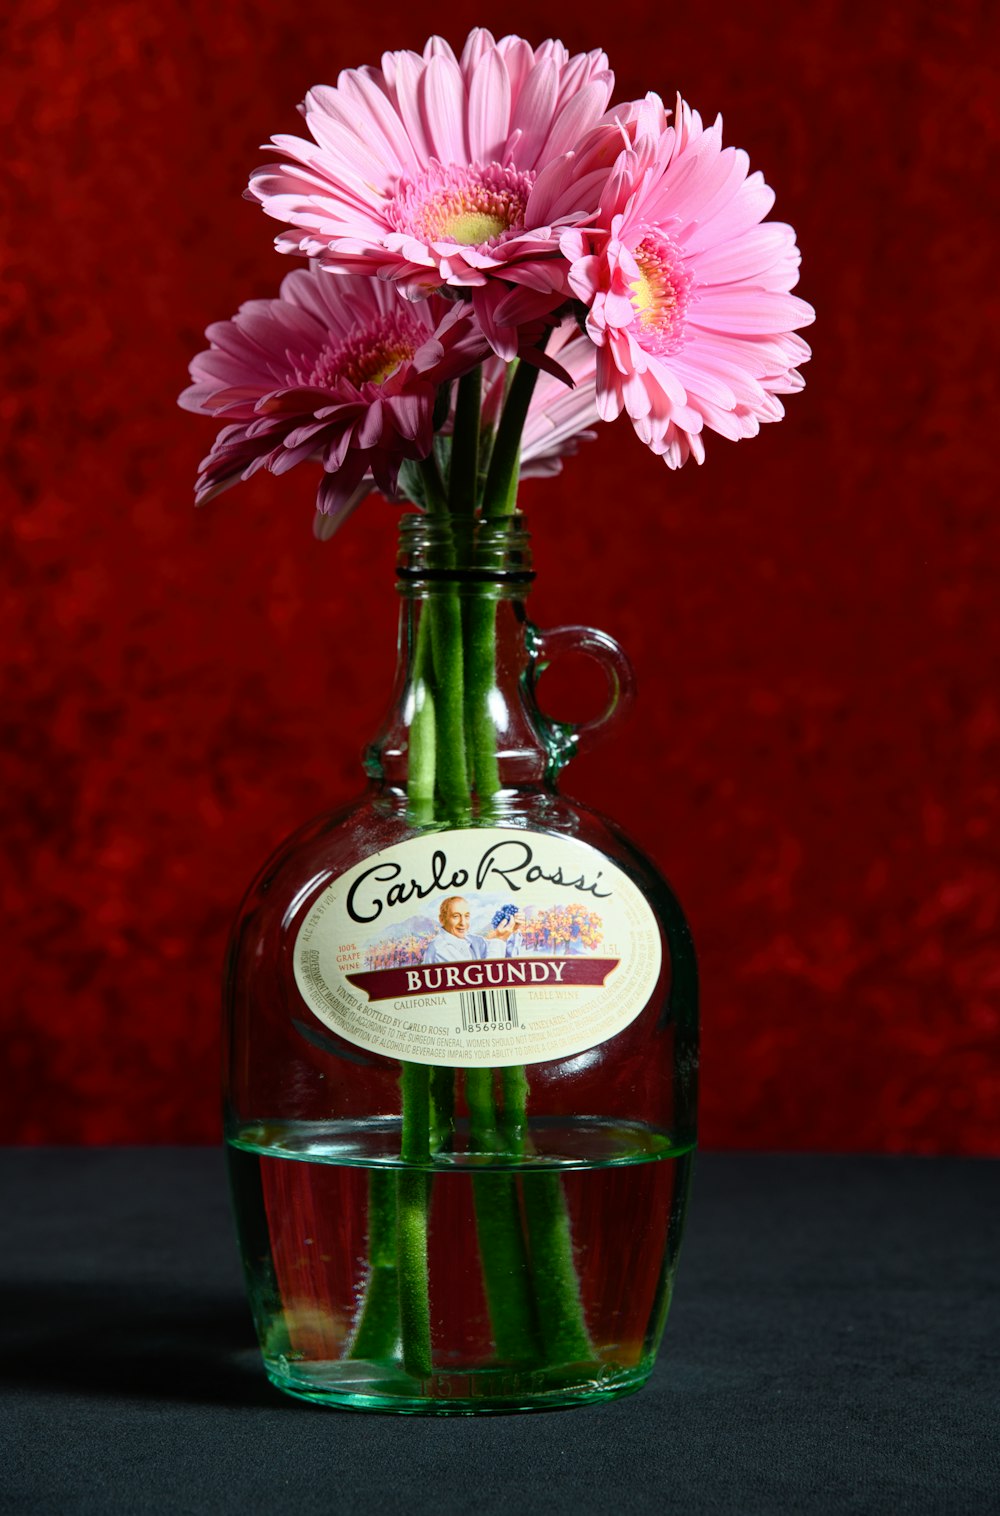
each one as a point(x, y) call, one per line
point(479, 948)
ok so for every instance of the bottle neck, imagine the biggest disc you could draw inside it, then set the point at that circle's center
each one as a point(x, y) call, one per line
point(461, 730)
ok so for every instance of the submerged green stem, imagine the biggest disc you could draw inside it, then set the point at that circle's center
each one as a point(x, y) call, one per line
point(555, 1283)
point(377, 1331)
point(557, 1287)
point(412, 1194)
point(502, 1252)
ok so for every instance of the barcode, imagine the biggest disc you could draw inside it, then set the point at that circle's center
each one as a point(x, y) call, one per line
point(488, 1008)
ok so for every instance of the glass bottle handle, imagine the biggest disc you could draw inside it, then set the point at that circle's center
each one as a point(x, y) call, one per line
point(564, 739)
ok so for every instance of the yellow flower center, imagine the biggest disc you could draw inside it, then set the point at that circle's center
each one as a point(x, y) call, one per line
point(376, 365)
point(473, 206)
point(653, 296)
point(474, 226)
point(370, 356)
point(659, 295)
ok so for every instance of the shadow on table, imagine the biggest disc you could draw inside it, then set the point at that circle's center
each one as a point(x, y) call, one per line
point(132, 1341)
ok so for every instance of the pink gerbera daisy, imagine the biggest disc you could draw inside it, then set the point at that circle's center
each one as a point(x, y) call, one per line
point(436, 170)
point(686, 292)
point(343, 371)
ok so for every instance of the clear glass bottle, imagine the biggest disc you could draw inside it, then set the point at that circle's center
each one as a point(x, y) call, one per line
point(428, 1224)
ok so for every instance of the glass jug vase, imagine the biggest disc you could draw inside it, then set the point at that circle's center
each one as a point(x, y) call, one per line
point(461, 1039)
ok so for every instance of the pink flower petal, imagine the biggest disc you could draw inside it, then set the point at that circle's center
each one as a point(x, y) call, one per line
point(489, 109)
point(478, 43)
point(341, 492)
point(339, 507)
point(409, 71)
point(749, 257)
point(750, 310)
point(752, 202)
point(443, 102)
point(533, 112)
point(579, 111)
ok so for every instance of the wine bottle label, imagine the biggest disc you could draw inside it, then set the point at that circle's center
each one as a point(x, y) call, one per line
point(478, 949)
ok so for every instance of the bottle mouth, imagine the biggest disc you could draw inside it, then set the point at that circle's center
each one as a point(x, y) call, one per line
point(464, 550)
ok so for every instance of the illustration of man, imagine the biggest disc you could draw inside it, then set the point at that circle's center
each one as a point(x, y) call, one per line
point(455, 943)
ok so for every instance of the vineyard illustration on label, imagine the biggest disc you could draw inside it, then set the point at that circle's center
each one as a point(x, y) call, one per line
point(480, 941)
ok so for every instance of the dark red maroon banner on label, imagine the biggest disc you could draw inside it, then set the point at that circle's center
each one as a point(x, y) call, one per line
point(481, 974)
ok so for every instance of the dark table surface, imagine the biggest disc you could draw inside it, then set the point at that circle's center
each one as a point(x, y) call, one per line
point(832, 1348)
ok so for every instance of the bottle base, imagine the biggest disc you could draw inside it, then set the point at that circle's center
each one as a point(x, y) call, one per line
point(354, 1385)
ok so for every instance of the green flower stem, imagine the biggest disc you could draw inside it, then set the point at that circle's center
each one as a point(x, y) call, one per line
point(437, 763)
point(413, 1189)
point(422, 756)
point(482, 1120)
point(420, 789)
point(463, 473)
point(412, 1194)
point(555, 1285)
point(420, 792)
point(451, 734)
point(452, 775)
point(502, 1252)
point(557, 1289)
point(444, 613)
point(554, 1281)
point(442, 1110)
point(377, 1331)
point(500, 491)
point(434, 490)
point(514, 1087)
point(481, 660)
point(502, 1248)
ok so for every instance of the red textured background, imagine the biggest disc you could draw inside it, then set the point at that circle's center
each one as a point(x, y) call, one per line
point(812, 614)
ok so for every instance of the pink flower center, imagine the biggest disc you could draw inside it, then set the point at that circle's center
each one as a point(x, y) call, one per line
point(475, 206)
point(369, 356)
point(660, 295)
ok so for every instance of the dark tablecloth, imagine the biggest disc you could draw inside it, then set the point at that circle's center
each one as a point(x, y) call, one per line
point(832, 1348)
